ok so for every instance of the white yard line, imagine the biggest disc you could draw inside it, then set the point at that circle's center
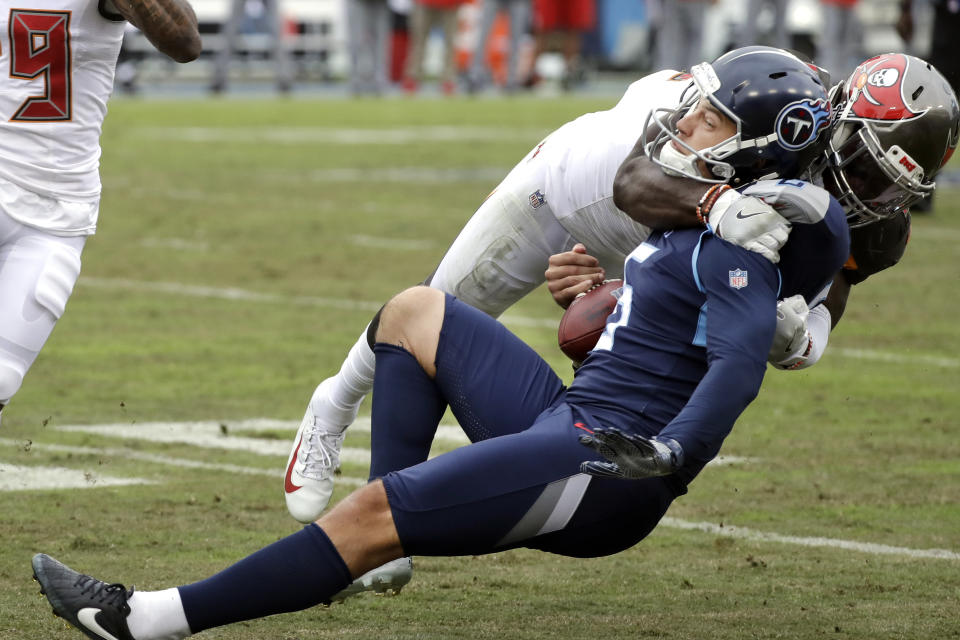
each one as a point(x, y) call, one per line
point(395, 244)
point(898, 358)
point(221, 434)
point(227, 293)
point(405, 175)
point(177, 244)
point(15, 477)
point(204, 434)
point(938, 233)
point(141, 456)
point(834, 543)
point(243, 295)
point(20, 477)
point(332, 135)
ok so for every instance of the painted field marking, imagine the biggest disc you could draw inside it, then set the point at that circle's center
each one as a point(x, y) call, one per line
point(744, 533)
point(130, 454)
point(219, 435)
point(15, 477)
point(204, 434)
point(899, 358)
point(337, 135)
point(231, 293)
point(227, 293)
point(396, 244)
point(403, 175)
point(177, 244)
point(19, 477)
point(937, 233)
point(222, 435)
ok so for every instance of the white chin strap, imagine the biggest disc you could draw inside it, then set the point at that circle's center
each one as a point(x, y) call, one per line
point(675, 163)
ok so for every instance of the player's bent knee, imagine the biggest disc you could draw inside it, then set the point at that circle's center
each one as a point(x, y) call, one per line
point(10, 381)
point(56, 281)
point(404, 318)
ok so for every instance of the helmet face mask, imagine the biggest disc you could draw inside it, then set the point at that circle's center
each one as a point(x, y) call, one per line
point(666, 120)
point(898, 126)
point(873, 183)
point(777, 103)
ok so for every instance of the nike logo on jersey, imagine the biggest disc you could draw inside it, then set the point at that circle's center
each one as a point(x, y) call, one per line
point(288, 485)
point(88, 618)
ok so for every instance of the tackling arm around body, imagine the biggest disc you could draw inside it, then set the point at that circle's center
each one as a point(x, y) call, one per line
point(170, 25)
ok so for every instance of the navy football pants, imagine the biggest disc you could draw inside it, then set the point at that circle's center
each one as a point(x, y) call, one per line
point(518, 484)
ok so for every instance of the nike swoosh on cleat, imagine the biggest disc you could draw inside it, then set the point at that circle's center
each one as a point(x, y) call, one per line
point(288, 485)
point(88, 618)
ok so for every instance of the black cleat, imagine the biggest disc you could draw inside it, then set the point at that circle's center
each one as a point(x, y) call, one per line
point(96, 608)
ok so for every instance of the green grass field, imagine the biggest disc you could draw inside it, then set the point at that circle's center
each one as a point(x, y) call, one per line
point(243, 246)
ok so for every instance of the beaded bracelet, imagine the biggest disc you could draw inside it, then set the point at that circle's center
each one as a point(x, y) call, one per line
point(708, 200)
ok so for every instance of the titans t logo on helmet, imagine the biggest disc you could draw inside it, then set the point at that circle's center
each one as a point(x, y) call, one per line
point(799, 123)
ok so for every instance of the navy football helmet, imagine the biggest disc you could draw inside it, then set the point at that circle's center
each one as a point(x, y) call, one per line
point(897, 124)
point(778, 103)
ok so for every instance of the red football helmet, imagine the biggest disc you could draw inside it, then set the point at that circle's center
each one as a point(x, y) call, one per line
point(898, 124)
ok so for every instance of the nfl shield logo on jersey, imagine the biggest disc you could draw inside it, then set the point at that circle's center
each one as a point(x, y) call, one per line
point(537, 199)
point(738, 278)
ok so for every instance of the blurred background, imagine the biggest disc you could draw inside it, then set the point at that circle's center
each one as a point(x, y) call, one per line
point(365, 46)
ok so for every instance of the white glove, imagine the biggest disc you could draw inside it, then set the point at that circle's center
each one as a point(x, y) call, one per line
point(750, 223)
point(794, 200)
point(792, 341)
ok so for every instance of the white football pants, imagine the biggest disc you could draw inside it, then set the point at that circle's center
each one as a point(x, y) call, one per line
point(37, 273)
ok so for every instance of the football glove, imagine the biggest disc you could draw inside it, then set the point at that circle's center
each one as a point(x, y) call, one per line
point(631, 456)
point(796, 201)
point(750, 223)
point(791, 341)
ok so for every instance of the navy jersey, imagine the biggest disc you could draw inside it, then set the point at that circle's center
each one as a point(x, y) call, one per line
point(685, 350)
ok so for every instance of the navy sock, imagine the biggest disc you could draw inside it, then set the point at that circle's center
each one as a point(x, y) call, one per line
point(297, 572)
point(407, 407)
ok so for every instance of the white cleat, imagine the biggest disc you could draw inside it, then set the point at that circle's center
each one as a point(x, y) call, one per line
point(389, 578)
point(315, 456)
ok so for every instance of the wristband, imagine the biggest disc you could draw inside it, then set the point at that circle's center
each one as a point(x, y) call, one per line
point(708, 200)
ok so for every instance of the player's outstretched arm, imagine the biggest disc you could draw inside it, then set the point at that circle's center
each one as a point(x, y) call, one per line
point(645, 193)
point(170, 25)
point(631, 456)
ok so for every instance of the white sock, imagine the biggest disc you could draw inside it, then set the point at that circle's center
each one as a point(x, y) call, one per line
point(157, 615)
point(354, 380)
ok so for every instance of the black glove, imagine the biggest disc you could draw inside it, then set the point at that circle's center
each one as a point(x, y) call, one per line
point(631, 456)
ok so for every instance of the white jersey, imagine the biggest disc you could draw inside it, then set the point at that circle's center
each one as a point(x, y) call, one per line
point(61, 56)
point(582, 158)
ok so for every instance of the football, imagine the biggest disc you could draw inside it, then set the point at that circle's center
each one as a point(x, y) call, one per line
point(584, 320)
